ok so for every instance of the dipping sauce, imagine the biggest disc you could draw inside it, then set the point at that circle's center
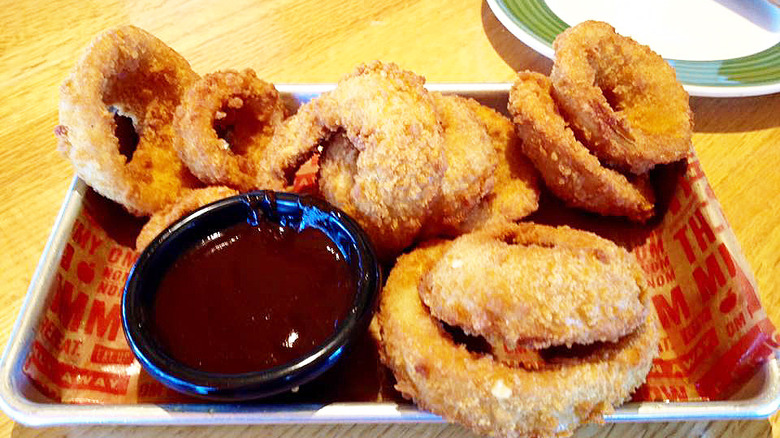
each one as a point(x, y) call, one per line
point(252, 297)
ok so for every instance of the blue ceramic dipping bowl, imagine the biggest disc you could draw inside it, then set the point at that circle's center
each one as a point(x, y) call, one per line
point(294, 211)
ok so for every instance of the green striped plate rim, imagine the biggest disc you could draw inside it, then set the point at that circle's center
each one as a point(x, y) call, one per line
point(758, 73)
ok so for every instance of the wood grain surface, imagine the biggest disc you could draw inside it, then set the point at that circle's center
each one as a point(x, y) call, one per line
point(285, 41)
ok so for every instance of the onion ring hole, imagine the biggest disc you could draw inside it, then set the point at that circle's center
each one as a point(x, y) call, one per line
point(126, 134)
point(239, 124)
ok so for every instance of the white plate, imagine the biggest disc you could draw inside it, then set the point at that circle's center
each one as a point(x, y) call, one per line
point(719, 48)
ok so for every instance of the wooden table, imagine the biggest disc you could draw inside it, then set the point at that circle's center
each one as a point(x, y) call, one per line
point(738, 140)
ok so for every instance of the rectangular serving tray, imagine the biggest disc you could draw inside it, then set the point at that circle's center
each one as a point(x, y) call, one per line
point(759, 399)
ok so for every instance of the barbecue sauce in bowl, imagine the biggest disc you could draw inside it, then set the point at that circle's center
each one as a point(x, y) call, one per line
point(252, 297)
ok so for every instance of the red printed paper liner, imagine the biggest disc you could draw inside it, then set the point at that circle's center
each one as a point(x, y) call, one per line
point(715, 332)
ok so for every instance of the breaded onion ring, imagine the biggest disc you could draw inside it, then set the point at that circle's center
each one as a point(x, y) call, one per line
point(472, 159)
point(223, 123)
point(336, 175)
point(566, 165)
point(515, 193)
point(550, 286)
point(389, 118)
point(488, 396)
point(137, 74)
point(623, 97)
point(190, 201)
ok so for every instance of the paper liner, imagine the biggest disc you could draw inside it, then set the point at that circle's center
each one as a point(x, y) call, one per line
point(715, 333)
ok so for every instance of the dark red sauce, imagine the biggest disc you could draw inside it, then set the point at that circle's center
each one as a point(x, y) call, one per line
point(252, 297)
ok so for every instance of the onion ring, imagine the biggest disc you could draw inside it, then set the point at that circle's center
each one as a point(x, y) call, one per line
point(189, 201)
point(472, 160)
point(244, 109)
point(593, 295)
point(137, 74)
point(336, 174)
point(389, 118)
point(486, 395)
point(515, 193)
point(570, 171)
point(623, 97)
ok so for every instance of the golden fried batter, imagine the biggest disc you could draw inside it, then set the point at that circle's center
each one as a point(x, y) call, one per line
point(472, 160)
point(566, 165)
point(623, 97)
point(190, 201)
point(244, 109)
point(132, 72)
point(486, 395)
point(515, 193)
point(336, 178)
point(535, 286)
point(390, 119)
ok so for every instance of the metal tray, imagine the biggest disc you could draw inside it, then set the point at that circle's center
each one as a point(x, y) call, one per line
point(758, 399)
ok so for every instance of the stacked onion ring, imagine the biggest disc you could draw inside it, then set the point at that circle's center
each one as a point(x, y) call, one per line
point(517, 286)
point(129, 72)
point(223, 124)
point(611, 110)
point(405, 162)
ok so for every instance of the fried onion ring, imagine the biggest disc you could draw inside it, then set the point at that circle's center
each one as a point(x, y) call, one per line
point(224, 122)
point(569, 170)
point(515, 193)
point(338, 165)
point(140, 77)
point(550, 286)
point(336, 178)
point(486, 395)
point(389, 117)
point(623, 97)
point(190, 201)
point(472, 160)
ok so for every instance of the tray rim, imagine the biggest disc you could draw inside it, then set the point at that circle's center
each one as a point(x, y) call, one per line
point(30, 413)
